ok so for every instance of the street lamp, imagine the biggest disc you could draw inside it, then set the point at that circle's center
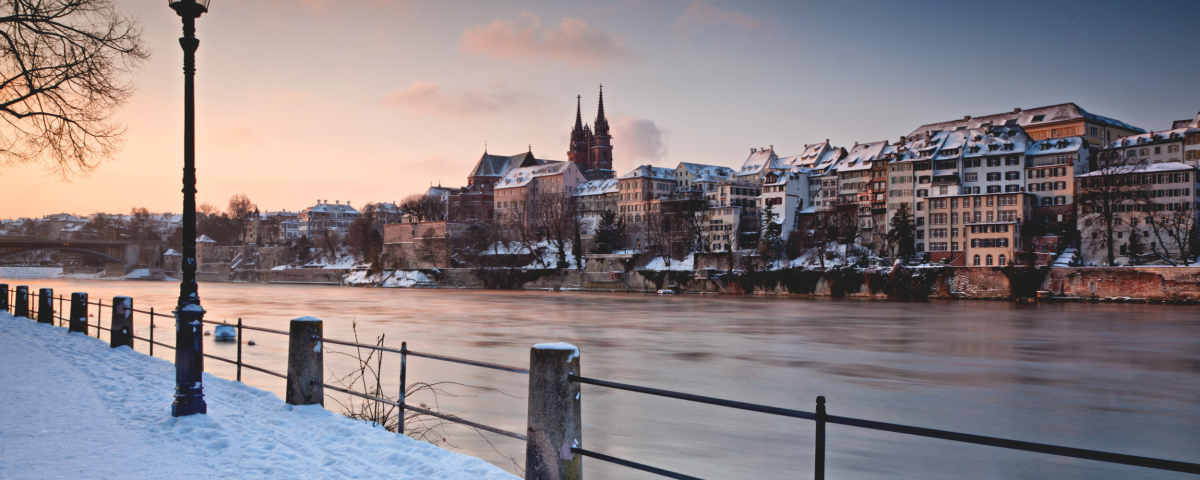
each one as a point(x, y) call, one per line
point(189, 317)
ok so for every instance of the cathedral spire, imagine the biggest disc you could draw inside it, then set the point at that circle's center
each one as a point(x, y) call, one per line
point(601, 122)
point(578, 113)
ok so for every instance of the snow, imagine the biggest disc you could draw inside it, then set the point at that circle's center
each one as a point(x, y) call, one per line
point(41, 272)
point(659, 264)
point(1065, 259)
point(559, 346)
point(392, 279)
point(110, 418)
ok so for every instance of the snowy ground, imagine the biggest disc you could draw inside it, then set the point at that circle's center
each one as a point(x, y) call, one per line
point(74, 408)
point(41, 272)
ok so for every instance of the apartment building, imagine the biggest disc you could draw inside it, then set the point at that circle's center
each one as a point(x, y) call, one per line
point(1051, 168)
point(686, 174)
point(592, 199)
point(1168, 190)
point(785, 194)
point(974, 229)
point(518, 193)
point(322, 217)
point(1042, 123)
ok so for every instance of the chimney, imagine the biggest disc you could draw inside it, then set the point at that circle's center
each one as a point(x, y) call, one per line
point(902, 139)
point(1016, 110)
point(856, 143)
point(772, 147)
point(337, 202)
point(753, 150)
point(966, 117)
point(347, 203)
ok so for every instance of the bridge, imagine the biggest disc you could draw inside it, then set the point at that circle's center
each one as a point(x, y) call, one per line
point(124, 252)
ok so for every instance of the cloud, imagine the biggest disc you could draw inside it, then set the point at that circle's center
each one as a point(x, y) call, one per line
point(638, 141)
point(700, 15)
point(572, 40)
point(430, 99)
point(236, 134)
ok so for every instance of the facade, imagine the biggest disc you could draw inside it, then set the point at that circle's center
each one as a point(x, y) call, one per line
point(1051, 168)
point(977, 230)
point(518, 193)
point(592, 151)
point(785, 194)
point(421, 244)
point(1170, 191)
point(1155, 147)
point(476, 201)
point(640, 194)
point(273, 227)
point(323, 217)
point(686, 174)
point(856, 182)
point(592, 199)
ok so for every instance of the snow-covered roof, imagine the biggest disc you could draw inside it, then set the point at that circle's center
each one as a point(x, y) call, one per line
point(759, 159)
point(597, 187)
point(1034, 116)
point(996, 140)
point(205, 239)
point(795, 173)
point(1057, 145)
point(1152, 168)
point(860, 156)
point(498, 165)
point(829, 159)
point(700, 169)
point(171, 253)
point(520, 177)
point(649, 171)
point(1194, 123)
point(335, 208)
point(1175, 134)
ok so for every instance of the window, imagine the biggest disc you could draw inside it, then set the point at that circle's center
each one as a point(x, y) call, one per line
point(1093, 131)
point(993, 176)
point(993, 189)
point(1012, 175)
point(1060, 200)
point(967, 217)
point(976, 259)
point(920, 234)
point(989, 260)
point(1012, 161)
point(938, 218)
point(937, 233)
point(937, 204)
point(972, 177)
point(1157, 150)
point(993, 162)
point(943, 190)
point(1036, 118)
point(920, 221)
point(1002, 261)
point(937, 247)
point(1012, 188)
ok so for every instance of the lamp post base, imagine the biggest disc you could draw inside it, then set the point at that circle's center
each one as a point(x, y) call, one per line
point(189, 362)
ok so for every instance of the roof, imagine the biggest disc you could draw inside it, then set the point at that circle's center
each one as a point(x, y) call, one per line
point(327, 208)
point(1195, 122)
point(1057, 145)
point(1049, 114)
point(996, 140)
point(829, 159)
point(700, 169)
point(205, 239)
point(1172, 135)
point(758, 160)
point(171, 253)
point(1152, 168)
point(860, 156)
point(498, 165)
point(597, 187)
point(520, 177)
point(649, 171)
point(796, 173)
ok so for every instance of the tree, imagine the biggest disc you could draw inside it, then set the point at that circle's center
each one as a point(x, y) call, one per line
point(240, 210)
point(1108, 198)
point(748, 228)
point(63, 64)
point(556, 216)
point(1135, 248)
point(770, 243)
point(207, 209)
point(424, 208)
point(900, 233)
point(610, 233)
point(366, 242)
point(303, 249)
point(139, 226)
point(1173, 226)
point(100, 227)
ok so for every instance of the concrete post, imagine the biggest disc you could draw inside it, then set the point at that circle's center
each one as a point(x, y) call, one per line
point(121, 333)
point(78, 321)
point(45, 310)
point(4, 296)
point(306, 363)
point(555, 419)
point(21, 302)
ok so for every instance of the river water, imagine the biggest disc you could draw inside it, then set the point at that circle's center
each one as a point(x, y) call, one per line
point(1116, 377)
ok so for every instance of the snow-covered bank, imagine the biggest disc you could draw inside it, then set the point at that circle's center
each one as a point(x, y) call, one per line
point(43, 272)
point(75, 408)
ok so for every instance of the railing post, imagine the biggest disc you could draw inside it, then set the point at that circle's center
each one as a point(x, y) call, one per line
point(239, 342)
point(78, 321)
point(306, 363)
point(21, 301)
point(120, 333)
point(4, 297)
point(45, 313)
point(555, 419)
point(151, 331)
point(99, 315)
point(403, 385)
point(819, 461)
point(60, 310)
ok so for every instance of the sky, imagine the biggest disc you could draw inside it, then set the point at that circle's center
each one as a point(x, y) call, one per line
point(373, 100)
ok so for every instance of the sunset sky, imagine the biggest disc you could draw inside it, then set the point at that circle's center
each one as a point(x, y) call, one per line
point(371, 100)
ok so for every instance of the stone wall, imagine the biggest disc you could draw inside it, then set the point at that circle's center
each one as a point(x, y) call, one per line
point(1149, 283)
point(332, 276)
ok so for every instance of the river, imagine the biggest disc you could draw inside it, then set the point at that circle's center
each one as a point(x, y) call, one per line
point(1115, 377)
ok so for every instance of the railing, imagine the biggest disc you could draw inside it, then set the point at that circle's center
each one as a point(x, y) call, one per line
point(819, 416)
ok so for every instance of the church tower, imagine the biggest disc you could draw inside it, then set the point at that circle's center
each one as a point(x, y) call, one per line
point(580, 140)
point(601, 154)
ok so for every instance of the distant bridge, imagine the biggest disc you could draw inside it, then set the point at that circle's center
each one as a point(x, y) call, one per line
point(124, 252)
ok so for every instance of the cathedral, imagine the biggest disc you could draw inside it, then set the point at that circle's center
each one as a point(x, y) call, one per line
point(590, 150)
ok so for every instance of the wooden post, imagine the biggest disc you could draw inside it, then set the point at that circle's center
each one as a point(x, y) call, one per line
point(120, 332)
point(21, 301)
point(306, 363)
point(4, 296)
point(555, 419)
point(819, 460)
point(78, 321)
point(45, 313)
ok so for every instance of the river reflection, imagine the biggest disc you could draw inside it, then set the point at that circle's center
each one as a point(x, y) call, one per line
point(1123, 378)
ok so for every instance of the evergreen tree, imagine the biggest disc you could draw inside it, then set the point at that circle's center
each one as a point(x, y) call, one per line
point(770, 243)
point(577, 249)
point(900, 232)
point(609, 234)
point(1136, 247)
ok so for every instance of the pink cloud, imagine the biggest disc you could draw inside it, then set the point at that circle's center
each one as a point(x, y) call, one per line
point(700, 14)
point(572, 40)
point(637, 141)
point(430, 99)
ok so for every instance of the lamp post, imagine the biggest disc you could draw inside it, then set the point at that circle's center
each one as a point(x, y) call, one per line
point(189, 317)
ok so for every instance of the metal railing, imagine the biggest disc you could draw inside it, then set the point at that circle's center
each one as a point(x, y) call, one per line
point(822, 418)
point(402, 405)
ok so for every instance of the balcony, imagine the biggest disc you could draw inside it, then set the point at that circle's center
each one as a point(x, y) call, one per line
point(944, 180)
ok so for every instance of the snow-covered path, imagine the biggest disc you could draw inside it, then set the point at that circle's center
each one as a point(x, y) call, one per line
point(72, 407)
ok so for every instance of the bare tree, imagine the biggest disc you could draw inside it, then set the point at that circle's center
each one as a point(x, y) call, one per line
point(559, 220)
point(424, 208)
point(1107, 199)
point(1174, 226)
point(63, 64)
point(207, 209)
point(240, 210)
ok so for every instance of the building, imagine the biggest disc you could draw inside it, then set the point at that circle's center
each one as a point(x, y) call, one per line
point(1050, 170)
point(856, 182)
point(273, 227)
point(1042, 123)
point(785, 194)
point(686, 174)
point(591, 152)
point(592, 199)
point(421, 244)
point(979, 230)
point(518, 194)
point(323, 217)
point(640, 194)
point(476, 201)
point(1155, 147)
point(1166, 192)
